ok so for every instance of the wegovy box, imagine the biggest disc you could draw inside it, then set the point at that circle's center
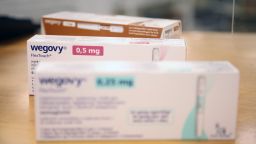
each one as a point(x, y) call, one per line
point(136, 101)
point(89, 24)
point(66, 48)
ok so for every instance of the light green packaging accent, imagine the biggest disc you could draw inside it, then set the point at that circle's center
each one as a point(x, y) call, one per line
point(189, 129)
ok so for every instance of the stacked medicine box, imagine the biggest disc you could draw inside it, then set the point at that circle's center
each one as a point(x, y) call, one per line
point(93, 79)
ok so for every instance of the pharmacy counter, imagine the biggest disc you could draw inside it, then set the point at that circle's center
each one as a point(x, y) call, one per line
point(17, 108)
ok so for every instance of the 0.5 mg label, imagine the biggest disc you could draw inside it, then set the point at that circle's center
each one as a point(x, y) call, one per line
point(88, 50)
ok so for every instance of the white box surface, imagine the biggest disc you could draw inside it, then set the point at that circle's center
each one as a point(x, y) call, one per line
point(136, 101)
point(66, 48)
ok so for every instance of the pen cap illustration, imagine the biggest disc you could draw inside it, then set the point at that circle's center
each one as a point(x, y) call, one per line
point(155, 54)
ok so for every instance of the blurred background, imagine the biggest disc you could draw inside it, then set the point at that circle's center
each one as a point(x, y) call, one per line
point(23, 16)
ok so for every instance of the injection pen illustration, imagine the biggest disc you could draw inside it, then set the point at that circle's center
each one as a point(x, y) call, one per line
point(200, 100)
point(155, 54)
point(167, 33)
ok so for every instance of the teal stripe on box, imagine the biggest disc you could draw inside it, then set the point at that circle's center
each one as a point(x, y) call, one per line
point(189, 128)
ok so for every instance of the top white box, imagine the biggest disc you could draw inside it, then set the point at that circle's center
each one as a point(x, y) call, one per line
point(76, 48)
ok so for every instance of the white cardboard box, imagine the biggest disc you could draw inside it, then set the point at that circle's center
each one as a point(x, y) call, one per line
point(136, 101)
point(66, 48)
point(89, 24)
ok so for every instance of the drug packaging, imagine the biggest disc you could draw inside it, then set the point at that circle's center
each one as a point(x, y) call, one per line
point(89, 24)
point(136, 101)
